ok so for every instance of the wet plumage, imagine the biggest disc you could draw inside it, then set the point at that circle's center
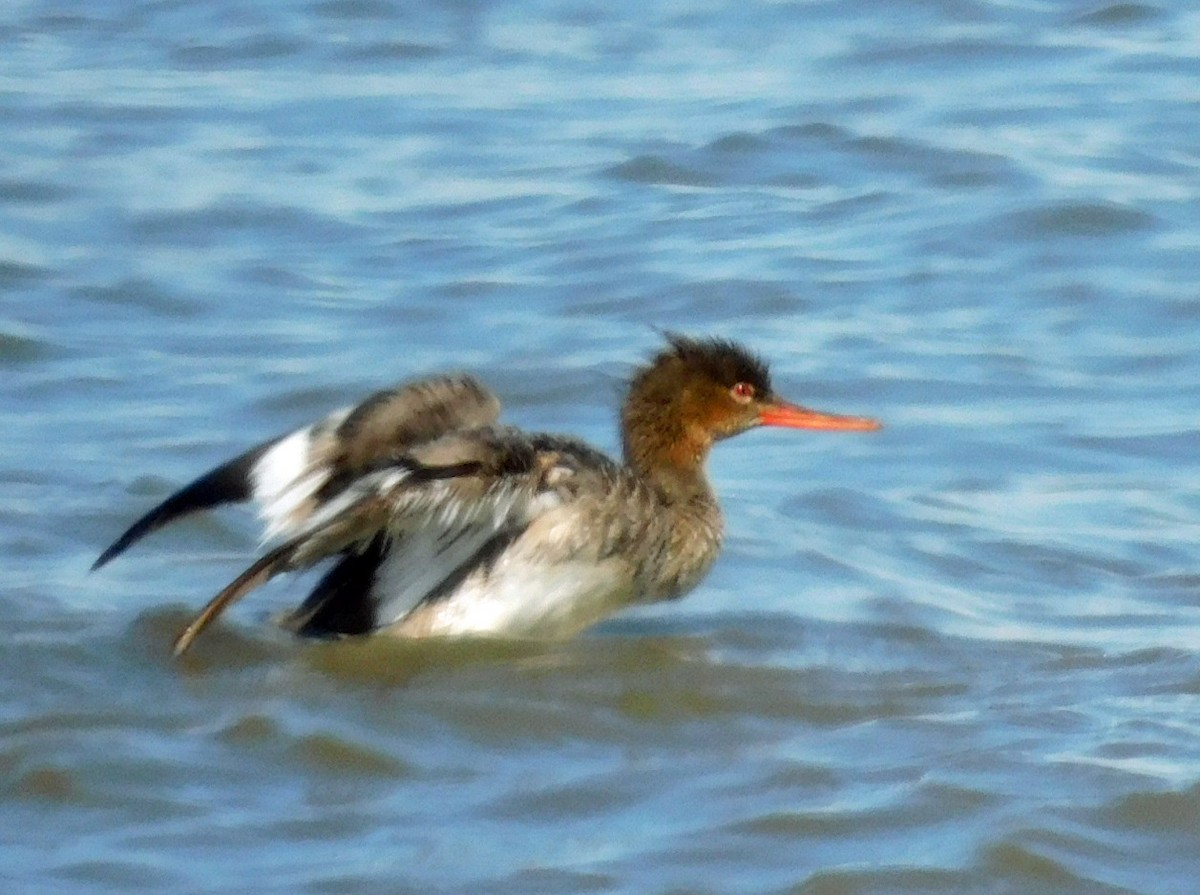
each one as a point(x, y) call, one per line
point(438, 521)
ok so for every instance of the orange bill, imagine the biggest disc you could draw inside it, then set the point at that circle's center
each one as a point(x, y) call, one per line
point(793, 416)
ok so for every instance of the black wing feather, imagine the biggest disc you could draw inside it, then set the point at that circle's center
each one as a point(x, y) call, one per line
point(228, 483)
point(341, 603)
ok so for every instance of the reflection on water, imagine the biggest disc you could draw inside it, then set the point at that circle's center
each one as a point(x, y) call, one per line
point(958, 656)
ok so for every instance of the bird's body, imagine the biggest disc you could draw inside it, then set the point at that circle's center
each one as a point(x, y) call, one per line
point(442, 522)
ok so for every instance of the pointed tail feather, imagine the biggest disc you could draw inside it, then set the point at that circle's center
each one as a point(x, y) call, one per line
point(228, 483)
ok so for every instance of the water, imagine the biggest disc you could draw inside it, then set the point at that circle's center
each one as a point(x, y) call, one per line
point(957, 656)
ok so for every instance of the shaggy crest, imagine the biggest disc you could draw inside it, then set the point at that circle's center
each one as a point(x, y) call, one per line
point(721, 360)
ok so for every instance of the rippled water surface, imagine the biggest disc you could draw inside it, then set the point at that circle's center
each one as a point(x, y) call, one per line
point(961, 655)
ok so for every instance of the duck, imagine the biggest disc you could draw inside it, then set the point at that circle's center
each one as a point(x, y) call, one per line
point(436, 520)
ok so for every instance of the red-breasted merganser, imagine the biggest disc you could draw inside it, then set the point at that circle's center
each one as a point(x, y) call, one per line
point(442, 522)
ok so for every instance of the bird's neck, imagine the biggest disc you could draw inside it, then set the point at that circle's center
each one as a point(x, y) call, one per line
point(666, 453)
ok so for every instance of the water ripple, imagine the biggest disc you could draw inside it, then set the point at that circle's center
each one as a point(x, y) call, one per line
point(958, 656)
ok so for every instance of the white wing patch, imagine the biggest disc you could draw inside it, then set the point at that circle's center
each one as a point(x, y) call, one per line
point(287, 476)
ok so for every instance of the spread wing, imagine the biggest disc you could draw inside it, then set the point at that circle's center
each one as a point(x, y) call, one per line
point(291, 476)
point(407, 531)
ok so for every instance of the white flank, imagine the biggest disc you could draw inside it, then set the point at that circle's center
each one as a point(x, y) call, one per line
point(419, 562)
point(432, 541)
point(518, 599)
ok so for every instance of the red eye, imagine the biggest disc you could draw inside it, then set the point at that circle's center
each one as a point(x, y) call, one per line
point(742, 392)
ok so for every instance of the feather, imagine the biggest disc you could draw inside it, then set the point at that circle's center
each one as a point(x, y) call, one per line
point(228, 483)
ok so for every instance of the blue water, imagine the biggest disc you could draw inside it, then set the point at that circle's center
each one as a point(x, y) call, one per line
point(961, 655)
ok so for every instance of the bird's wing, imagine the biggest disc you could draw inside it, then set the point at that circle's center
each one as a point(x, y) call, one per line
point(406, 531)
point(291, 476)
